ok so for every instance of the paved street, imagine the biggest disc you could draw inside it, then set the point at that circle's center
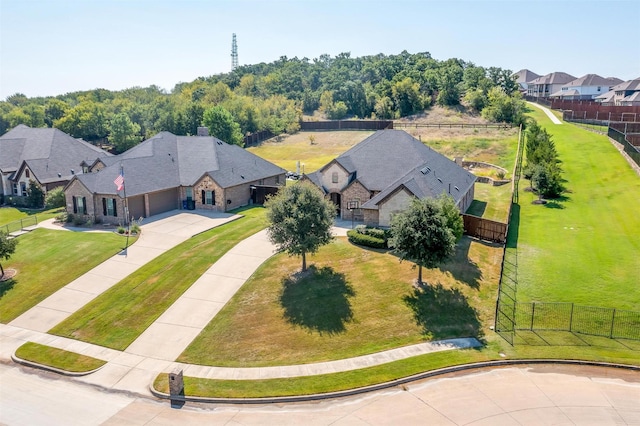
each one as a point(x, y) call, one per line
point(540, 395)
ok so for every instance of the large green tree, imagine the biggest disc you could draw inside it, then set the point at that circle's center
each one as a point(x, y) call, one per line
point(300, 220)
point(222, 125)
point(123, 132)
point(7, 248)
point(425, 233)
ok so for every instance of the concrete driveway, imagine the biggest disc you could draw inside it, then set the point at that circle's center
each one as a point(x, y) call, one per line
point(159, 234)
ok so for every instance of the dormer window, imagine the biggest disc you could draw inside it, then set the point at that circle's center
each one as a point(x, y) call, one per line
point(27, 174)
point(334, 177)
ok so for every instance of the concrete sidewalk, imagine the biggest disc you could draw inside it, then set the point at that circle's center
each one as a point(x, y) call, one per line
point(161, 234)
point(547, 111)
point(174, 330)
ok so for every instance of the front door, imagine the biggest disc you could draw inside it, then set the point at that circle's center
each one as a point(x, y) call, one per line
point(336, 199)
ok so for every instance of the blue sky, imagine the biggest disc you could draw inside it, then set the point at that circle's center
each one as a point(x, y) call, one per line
point(53, 47)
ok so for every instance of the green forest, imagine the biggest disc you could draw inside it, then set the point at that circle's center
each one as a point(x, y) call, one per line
point(273, 97)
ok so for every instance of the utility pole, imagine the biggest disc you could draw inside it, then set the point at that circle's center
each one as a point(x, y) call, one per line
point(234, 53)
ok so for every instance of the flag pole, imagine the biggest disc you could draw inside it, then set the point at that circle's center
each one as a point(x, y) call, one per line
point(126, 209)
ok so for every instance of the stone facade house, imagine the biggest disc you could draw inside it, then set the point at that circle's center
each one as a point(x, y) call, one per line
point(49, 157)
point(378, 177)
point(168, 172)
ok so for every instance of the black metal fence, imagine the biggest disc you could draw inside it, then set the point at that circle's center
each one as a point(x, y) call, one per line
point(629, 148)
point(590, 320)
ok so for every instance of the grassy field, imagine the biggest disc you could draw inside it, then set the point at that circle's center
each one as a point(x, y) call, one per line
point(288, 150)
point(584, 247)
point(58, 358)
point(355, 301)
point(118, 316)
point(47, 260)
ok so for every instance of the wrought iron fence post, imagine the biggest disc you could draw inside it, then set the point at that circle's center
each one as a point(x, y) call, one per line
point(613, 320)
point(571, 319)
point(533, 314)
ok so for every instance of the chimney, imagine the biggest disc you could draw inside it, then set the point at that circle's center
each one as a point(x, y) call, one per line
point(203, 131)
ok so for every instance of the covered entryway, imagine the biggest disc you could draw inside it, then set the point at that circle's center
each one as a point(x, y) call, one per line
point(259, 193)
point(163, 201)
point(336, 199)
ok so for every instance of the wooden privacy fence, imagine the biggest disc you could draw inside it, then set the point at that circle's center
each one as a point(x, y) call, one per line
point(485, 229)
point(398, 125)
point(346, 125)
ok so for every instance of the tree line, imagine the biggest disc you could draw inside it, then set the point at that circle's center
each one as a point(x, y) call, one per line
point(274, 96)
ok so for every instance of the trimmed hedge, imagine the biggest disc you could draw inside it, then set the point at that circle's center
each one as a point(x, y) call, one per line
point(356, 237)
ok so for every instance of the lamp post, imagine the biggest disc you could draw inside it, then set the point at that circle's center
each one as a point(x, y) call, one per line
point(352, 206)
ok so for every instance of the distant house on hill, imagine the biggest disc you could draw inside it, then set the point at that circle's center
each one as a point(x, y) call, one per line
point(378, 177)
point(624, 94)
point(46, 156)
point(543, 87)
point(586, 87)
point(168, 172)
point(523, 77)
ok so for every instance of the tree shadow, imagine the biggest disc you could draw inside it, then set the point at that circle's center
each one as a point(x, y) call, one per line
point(443, 313)
point(317, 300)
point(6, 285)
point(557, 203)
point(514, 227)
point(461, 267)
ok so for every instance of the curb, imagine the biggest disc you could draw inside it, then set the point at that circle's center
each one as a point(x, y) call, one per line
point(21, 361)
point(386, 385)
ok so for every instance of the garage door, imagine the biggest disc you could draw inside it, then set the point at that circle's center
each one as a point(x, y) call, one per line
point(162, 201)
point(136, 207)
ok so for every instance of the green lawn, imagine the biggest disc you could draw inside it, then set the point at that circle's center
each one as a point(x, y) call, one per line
point(584, 247)
point(356, 301)
point(58, 358)
point(118, 316)
point(491, 202)
point(13, 214)
point(47, 260)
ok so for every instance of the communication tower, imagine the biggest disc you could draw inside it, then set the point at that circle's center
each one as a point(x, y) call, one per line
point(234, 53)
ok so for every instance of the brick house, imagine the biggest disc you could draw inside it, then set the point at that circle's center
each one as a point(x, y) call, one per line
point(168, 172)
point(378, 177)
point(49, 157)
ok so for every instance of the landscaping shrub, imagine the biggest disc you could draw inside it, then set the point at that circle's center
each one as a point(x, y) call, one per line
point(54, 198)
point(356, 237)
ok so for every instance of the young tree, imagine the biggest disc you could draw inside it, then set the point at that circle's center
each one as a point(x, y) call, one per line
point(422, 234)
point(222, 125)
point(7, 248)
point(35, 195)
point(300, 220)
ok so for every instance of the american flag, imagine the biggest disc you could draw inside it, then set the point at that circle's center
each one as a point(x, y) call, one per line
point(119, 181)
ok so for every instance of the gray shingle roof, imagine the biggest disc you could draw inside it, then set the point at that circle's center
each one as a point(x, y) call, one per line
point(525, 76)
point(390, 158)
point(554, 78)
point(47, 152)
point(167, 161)
point(628, 85)
point(593, 80)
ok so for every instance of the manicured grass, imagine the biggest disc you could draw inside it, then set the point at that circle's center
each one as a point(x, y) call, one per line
point(356, 301)
point(47, 260)
point(117, 317)
point(13, 214)
point(58, 358)
point(568, 346)
point(491, 202)
point(584, 247)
